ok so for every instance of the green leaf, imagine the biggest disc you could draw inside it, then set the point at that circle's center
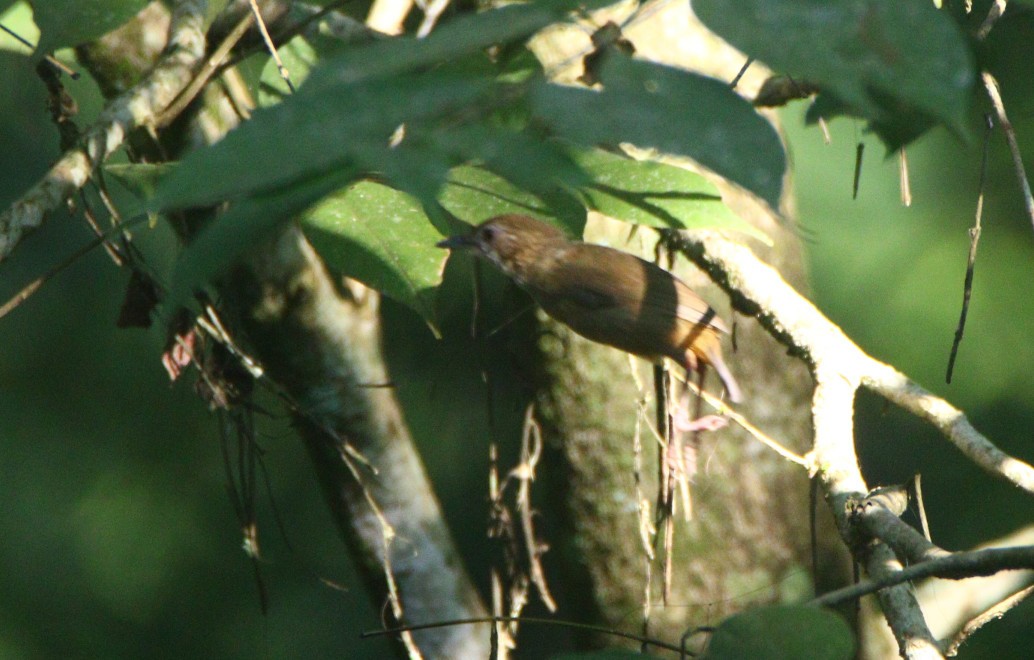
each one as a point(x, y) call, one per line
point(72, 22)
point(519, 65)
point(300, 56)
point(141, 179)
point(782, 632)
point(474, 194)
point(315, 131)
point(677, 112)
point(530, 161)
point(351, 107)
point(894, 128)
point(382, 238)
point(655, 194)
point(455, 38)
point(878, 58)
point(245, 224)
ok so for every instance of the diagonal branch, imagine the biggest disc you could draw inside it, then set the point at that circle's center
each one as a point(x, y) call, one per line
point(757, 289)
point(840, 367)
point(135, 108)
point(993, 93)
point(953, 566)
point(951, 605)
point(324, 349)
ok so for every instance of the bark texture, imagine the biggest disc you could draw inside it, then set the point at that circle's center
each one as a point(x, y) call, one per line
point(748, 542)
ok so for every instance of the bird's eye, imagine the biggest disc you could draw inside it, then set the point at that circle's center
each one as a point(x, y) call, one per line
point(487, 234)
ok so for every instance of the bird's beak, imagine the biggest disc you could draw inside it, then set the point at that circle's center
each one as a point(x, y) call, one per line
point(458, 242)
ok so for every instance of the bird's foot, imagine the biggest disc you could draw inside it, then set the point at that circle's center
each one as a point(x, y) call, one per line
point(682, 423)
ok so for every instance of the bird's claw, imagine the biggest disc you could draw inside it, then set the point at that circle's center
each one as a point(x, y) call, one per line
point(681, 422)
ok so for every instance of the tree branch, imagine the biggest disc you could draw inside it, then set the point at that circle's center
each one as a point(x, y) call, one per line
point(137, 107)
point(840, 367)
point(951, 604)
point(324, 349)
point(758, 290)
point(877, 521)
point(954, 566)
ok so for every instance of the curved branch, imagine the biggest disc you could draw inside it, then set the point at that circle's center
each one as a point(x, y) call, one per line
point(840, 367)
point(758, 289)
point(137, 107)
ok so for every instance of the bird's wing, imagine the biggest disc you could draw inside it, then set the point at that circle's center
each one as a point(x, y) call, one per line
point(694, 309)
point(600, 278)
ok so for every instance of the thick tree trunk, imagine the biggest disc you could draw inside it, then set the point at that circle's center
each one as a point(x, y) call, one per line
point(748, 540)
point(324, 350)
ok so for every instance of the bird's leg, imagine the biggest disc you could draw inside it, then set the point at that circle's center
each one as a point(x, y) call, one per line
point(683, 423)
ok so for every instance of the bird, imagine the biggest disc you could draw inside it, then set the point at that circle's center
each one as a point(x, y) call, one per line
point(603, 294)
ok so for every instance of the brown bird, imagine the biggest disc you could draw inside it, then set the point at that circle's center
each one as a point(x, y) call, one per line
point(603, 294)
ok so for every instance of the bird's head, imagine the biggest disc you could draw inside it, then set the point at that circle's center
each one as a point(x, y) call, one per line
point(511, 242)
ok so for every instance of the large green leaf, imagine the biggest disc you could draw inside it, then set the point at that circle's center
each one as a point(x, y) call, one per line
point(879, 58)
point(453, 39)
point(72, 22)
point(677, 112)
point(473, 194)
point(245, 224)
point(299, 56)
point(656, 194)
point(315, 131)
point(782, 632)
point(141, 179)
point(530, 161)
point(351, 106)
point(382, 238)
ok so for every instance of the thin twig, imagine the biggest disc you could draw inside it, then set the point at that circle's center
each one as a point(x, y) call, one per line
point(647, 529)
point(503, 636)
point(993, 14)
point(985, 617)
point(955, 566)
point(387, 537)
point(524, 619)
point(974, 239)
point(432, 13)
point(993, 92)
point(209, 69)
point(859, 153)
point(53, 61)
point(739, 74)
point(531, 452)
point(136, 107)
point(917, 487)
point(32, 287)
point(271, 47)
point(723, 409)
point(109, 247)
point(904, 181)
